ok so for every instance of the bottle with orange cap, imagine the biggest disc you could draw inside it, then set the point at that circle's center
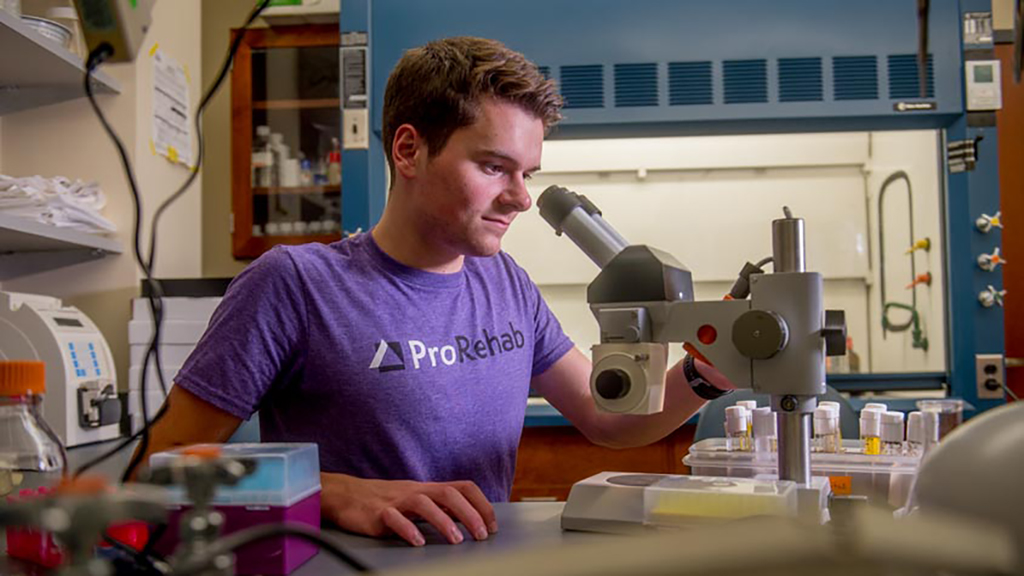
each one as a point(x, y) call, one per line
point(31, 455)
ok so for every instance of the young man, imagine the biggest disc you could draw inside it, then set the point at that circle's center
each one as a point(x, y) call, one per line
point(407, 353)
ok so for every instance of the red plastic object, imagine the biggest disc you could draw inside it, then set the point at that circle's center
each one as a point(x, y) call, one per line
point(30, 545)
point(707, 334)
point(132, 534)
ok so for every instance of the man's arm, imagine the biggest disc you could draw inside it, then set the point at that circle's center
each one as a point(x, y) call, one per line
point(188, 420)
point(566, 385)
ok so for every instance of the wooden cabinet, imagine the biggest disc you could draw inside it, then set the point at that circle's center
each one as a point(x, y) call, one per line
point(285, 132)
point(552, 458)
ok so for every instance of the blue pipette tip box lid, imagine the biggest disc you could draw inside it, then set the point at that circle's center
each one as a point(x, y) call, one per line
point(285, 474)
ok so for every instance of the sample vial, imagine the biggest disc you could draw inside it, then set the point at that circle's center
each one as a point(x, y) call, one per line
point(892, 433)
point(749, 405)
point(915, 434)
point(876, 406)
point(826, 430)
point(837, 429)
point(871, 431)
point(766, 434)
point(737, 431)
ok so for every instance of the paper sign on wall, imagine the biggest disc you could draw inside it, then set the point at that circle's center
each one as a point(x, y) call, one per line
point(172, 131)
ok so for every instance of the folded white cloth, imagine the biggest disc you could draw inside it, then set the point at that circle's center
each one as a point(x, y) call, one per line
point(56, 201)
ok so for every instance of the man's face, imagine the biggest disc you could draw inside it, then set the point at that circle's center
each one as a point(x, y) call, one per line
point(471, 191)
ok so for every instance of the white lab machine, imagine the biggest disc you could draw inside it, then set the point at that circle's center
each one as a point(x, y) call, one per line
point(81, 403)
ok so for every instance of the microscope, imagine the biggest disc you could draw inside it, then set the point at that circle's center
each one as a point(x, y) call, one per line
point(774, 342)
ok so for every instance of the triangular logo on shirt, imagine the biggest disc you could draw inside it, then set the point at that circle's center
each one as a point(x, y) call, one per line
point(382, 353)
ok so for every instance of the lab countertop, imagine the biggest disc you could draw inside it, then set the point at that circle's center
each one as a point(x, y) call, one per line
point(522, 525)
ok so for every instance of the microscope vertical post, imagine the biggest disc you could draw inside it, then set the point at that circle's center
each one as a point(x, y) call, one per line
point(788, 252)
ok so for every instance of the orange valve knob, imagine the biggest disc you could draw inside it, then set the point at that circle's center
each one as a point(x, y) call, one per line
point(925, 279)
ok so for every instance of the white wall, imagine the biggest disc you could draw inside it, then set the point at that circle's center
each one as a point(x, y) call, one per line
point(915, 153)
point(179, 246)
point(67, 139)
point(710, 201)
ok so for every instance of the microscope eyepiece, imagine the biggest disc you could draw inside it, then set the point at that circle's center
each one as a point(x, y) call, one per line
point(613, 384)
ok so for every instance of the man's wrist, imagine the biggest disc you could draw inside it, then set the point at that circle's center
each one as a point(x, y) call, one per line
point(700, 386)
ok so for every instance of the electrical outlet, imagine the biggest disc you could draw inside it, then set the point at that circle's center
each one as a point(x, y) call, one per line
point(356, 133)
point(990, 375)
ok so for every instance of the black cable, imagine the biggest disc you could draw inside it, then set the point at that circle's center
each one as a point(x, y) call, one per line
point(97, 57)
point(155, 293)
point(256, 533)
point(898, 175)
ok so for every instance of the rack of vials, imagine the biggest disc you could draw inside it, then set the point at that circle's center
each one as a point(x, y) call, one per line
point(879, 466)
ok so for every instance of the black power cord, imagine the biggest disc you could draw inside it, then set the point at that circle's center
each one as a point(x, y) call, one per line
point(155, 293)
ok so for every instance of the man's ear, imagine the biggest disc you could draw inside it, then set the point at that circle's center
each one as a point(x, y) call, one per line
point(405, 150)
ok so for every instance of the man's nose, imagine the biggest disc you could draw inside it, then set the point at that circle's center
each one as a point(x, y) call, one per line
point(517, 195)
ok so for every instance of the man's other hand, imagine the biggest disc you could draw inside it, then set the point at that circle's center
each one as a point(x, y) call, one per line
point(382, 507)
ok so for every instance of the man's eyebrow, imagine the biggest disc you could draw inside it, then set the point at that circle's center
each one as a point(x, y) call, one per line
point(507, 157)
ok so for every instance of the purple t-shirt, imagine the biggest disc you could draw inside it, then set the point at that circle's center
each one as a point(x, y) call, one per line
point(395, 372)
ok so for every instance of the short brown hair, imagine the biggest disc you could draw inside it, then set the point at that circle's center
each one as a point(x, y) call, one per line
point(437, 89)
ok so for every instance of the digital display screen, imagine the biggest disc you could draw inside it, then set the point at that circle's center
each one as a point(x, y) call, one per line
point(68, 322)
point(983, 74)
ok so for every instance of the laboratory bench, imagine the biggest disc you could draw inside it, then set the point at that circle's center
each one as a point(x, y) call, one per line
point(521, 526)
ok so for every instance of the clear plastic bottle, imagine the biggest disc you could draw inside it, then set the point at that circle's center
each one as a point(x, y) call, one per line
point(871, 430)
point(31, 455)
point(892, 433)
point(334, 163)
point(737, 432)
point(263, 168)
point(766, 436)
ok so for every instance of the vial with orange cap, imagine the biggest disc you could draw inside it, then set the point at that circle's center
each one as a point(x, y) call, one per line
point(31, 455)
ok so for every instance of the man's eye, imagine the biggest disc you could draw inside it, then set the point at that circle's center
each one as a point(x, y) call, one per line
point(528, 176)
point(493, 169)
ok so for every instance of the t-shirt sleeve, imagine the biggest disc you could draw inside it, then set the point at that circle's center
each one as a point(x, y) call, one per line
point(253, 339)
point(550, 341)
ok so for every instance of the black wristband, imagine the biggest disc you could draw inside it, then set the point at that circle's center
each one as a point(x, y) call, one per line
point(698, 384)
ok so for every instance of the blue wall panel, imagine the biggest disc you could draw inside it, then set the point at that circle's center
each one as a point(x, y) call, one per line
point(736, 66)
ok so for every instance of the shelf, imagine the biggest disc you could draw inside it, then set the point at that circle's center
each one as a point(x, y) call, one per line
point(28, 247)
point(334, 103)
point(35, 71)
point(297, 190)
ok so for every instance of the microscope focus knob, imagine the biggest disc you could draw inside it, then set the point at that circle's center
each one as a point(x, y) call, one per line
point(834, 333)
point(760, 334)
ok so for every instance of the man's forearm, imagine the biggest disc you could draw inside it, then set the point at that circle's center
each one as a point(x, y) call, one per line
point(629, 431)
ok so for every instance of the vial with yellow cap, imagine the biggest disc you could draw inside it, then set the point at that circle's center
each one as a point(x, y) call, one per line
point(737, 432)
point(31, 455)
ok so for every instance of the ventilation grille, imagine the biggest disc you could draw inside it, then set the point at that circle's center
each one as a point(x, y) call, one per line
point(583, 86)
point(746, 81)
point(855, 77)
point(800, 80)
point(636, 85)
point(689, 83)
point(904, 79)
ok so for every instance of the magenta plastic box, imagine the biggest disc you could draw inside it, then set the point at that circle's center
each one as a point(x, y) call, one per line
point(285, 487)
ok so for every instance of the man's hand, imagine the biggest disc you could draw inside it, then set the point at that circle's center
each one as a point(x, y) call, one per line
point(712, 375)
point(382, 507)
